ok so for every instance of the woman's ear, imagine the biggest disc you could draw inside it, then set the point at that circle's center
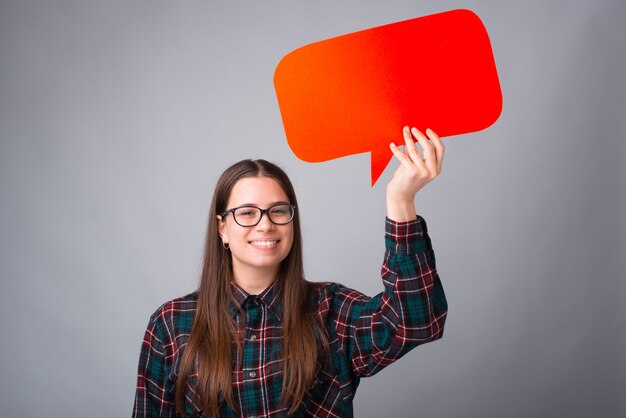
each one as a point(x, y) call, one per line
point(221, 227)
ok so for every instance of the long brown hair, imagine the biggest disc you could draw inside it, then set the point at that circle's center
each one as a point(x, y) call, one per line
point(214, 332)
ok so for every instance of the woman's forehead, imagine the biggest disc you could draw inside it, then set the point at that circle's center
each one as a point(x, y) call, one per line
point(260, 191)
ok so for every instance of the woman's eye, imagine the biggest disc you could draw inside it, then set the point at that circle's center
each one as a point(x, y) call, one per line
point(280, 210)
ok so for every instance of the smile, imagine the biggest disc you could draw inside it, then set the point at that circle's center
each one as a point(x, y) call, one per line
point(264, 243)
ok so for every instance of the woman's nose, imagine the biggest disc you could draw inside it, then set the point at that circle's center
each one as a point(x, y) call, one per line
point(265, 222)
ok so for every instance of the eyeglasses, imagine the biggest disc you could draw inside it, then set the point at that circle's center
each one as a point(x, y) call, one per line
point(278, 214)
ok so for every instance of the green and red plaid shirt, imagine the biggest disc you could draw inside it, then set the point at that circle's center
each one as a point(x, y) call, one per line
point(366, 334)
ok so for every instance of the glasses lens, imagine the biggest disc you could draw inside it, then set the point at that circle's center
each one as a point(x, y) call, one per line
point(281, 214)
point(247, 215)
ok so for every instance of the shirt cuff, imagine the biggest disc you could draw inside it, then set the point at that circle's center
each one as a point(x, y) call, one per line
point(406, 238)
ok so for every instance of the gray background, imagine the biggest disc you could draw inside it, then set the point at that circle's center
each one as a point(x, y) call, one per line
point(116, 117)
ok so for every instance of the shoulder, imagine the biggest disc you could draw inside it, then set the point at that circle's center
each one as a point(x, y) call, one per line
point(173, 319)
point(324, 290)
point(179, 306)
point(329, 296)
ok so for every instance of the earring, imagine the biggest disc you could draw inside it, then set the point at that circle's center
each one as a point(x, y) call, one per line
point(225, 245)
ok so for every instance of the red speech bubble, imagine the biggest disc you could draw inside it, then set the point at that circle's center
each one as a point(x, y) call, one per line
point(353, 93)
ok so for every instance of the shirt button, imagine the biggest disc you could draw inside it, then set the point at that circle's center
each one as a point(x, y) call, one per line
point(253, 338)
point(252, 374)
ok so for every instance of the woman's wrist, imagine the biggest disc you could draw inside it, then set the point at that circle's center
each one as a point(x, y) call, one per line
point(400, 209)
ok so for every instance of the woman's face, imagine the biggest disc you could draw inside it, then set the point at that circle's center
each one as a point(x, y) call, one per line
point(256, 250)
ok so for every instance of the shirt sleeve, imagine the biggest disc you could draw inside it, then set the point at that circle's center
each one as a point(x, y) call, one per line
point(152, 398)
point(410, 311)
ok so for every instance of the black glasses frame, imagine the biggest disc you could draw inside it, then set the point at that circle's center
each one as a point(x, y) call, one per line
point(263, 211)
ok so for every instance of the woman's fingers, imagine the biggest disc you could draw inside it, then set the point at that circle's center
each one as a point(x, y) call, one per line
point(411, 149)
point(432, 150)
point(438, 145)
point(414, 171)
point(427, 147)
point(405, 161)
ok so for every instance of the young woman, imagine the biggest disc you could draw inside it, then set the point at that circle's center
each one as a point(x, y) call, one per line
point(257, 339)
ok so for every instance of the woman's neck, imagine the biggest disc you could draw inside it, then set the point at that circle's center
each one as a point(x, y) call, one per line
point(254, 281)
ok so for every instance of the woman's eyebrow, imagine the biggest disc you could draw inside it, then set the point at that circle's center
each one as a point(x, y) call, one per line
point(280, 202)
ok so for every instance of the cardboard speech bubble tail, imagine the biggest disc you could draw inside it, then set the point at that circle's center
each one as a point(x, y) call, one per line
point(380, 157)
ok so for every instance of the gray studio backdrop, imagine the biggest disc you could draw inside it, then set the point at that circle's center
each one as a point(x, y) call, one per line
point(116, 117)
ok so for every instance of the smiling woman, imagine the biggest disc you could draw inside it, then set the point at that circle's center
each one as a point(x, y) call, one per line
point(257, 338)
point(260, 245)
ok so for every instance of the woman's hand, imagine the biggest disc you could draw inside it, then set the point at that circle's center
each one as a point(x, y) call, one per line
point(413, 173)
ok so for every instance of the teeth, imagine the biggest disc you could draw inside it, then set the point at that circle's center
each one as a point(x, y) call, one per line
point(263, 243)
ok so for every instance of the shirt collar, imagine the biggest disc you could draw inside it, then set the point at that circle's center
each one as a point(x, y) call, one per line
point(269, 297)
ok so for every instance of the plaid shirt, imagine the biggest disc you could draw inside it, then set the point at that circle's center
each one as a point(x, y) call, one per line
point(366, 334)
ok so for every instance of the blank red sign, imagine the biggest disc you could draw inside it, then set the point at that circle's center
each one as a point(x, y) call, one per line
point(354, 93)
